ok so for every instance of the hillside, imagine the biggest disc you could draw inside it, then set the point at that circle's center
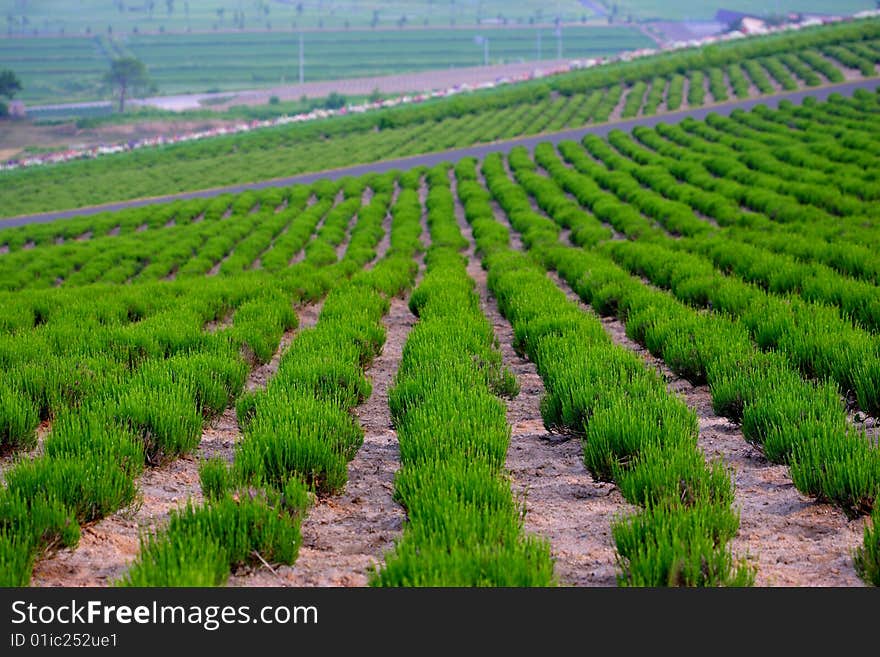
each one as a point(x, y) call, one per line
point(687, 78)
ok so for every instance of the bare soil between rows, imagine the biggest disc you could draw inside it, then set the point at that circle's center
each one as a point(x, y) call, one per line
point(345, 536)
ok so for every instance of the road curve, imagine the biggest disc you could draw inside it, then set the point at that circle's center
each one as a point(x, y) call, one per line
point(478, 151)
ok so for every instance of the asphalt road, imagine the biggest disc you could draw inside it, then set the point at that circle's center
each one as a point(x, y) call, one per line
point(454, 155)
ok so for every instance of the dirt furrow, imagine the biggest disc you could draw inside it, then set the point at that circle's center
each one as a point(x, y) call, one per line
point(385, 242)
point(346, 536)
point(8, 459)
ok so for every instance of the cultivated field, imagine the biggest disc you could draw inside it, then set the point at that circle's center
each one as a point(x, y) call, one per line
point(673, 81)
point(57, 69)
point(695, 10)
point(669, 334)
point(77, 16)
point(647, 358)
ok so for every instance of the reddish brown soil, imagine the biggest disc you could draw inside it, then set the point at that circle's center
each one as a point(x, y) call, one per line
point(213, 271)
point(617, 112)
point(107, 547)
point(218, 324)
point(385, 242)
point(7, 459)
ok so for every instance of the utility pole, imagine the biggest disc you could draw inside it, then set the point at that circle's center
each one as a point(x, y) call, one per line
point(302, 64)
point(480, 39)
point(558, 39)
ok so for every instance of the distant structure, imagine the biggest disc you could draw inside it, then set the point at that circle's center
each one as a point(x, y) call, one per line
point(752, 24)
point(17, 109)
point(741, 21)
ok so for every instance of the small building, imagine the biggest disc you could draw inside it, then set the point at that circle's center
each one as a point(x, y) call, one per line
point(750, 25)
point(741, 21)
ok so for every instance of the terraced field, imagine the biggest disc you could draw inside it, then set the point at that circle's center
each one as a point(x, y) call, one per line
point(727, 72)
point(645, 359)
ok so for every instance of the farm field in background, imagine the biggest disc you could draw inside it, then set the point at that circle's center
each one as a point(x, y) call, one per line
point(76, 16)
point(238, 61)
point(699, 10)
point(691, 309)
point(642, 87)
point(55, 69)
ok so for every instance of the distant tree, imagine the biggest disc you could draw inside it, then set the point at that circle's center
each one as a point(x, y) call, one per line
point(9, 86)
point(128, 76)
point(334, 101)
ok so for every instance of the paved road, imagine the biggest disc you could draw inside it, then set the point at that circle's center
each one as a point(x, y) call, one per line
point(452, 156)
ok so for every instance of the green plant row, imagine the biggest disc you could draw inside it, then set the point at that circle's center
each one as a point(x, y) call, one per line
point(151, 403)
point(372, 136)
point(298, 432)
point(632, 430)
point(794, 421)
point(186, 247)
point(464, 527)
point(779, 274)
point(812, 336)
point(829, 244)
